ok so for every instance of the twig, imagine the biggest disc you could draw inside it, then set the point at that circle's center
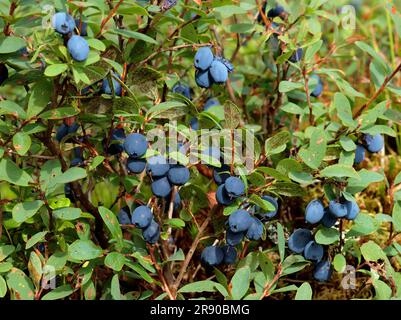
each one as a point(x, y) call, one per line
point(111, 14)
point(266, 291)
point(306, 80)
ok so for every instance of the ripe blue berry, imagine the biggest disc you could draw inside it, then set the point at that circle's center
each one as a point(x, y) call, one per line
point(82, 26)
point(234, 238)
point(375, 143)
point(63, 23)
point(157, 166)
point(297, 56)
point(136, 165)
point(319, 87)
point(142, 217)
point(124, 216)
point(203, 79)
point(352, 210)
point(203, 58)
point(183, 90)
point(107, 89)
point(212, 256)
point(337, 209)
point(313, 251)
point(299, 239)
point(211, 102)
point(323, 271)
point(152, 233)
point(359, 154)
point(328, 219)
point(255, 231)
point(234, 187)
point(218, 72)
point(135, 145)
point(269, 214)
point(314, 212)
point(78, 48)
point(220, 175)
point(76, 162)
point(222, 197)
point(240, 221)
point(194, 124)
point(275, 12)
point(230, 255)
point(161, 187)
point(178, 175)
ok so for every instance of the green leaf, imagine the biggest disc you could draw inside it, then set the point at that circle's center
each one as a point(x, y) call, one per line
point(115, 261)
point(25, 210)
point(203, 286)
point(263, 204)
point(11, 173)
point(229, 10)
point(133, 35)
point(84, 250)
point(232, 115)
point(240, 283)
point(67, 213)
point(339, 263)
point(348, 144)
point(362, 226)
point(40, 96)
point(21, 287)
point(344, 110)
point(281, 241)
point(365, 179)
point(5, 251)
point(115, 288)
point(397, 216)
point(21, 142)
point(11, 44)
point(287, 86)
point(59, 113)
point(10, 107)
point(372, 251)
point(339, 171)
point(273, 144)
point(314, 154)
point(327, 236)
point(304, 292)
point(383, 291)
point(3, 287)
point(111, 222)
point(55, 69)
point(177, 256)
point(59, 293)
point(71, 175)
point(38, 237)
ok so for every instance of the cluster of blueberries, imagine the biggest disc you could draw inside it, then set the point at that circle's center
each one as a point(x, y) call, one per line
point(373, 144)
point(77, 46)
point(301, 240)
point(244, 222)
point(210, 69)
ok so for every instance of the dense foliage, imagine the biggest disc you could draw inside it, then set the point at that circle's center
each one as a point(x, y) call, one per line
point(298, 196)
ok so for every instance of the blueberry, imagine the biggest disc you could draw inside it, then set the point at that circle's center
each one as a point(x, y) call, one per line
point(106, 88)
point(323, 271)
point(76, 162)
point(230, 255)
point(220, 175)
point(152, 233)
point(211, 102)
point(203, 58)
point(157, 166)
point(136, 165)
point(3, 73)
point(176, 203)
point(78, 48)
point(299, 239)
point(124, 216)
point(359, 154)
point(319, 87)
point(135, 145)
point(255, 231)
point(375, 143)
point(142, 217)
point(63, 23)
point(313, 251)
point(212, 256)
point(62, 131)
point(352, 210)
point(337, 209)
point(82, 26)
point(194, 124)
point(218, 72)
point(314, 212)
point(270, 214)
point(234, 187)
point(328, 219)
point(297, 56)
point(178, 175)
point(115, 148)
point(69, 193)
point(77, 151)
point(183, 90)
point(161, 187)
point(234, 238)
point(275, 12)
point(73, 128)
point(203, 79)
point(240, 221)
point(222, 197)
point(228, 64)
